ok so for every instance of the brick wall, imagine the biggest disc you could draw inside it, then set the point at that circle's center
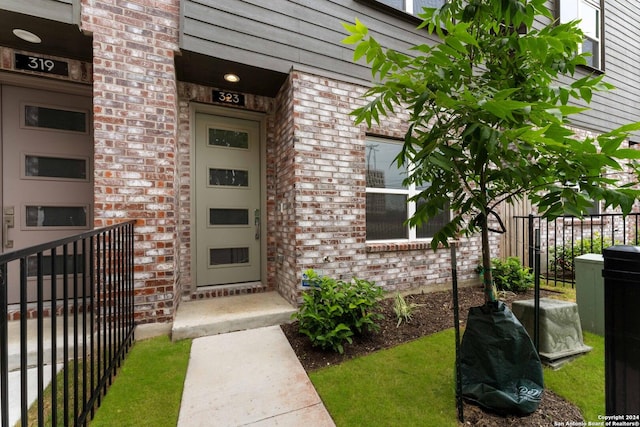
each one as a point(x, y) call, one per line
point(329, 205)
point(282, 223)
point(135, 121)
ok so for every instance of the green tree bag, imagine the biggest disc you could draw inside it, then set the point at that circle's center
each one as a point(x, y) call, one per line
point(499, 364)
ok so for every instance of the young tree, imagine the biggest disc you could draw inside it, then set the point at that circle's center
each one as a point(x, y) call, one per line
point(489, 117)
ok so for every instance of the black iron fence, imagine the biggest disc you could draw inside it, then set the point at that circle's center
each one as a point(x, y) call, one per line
point(565, 238)
point(72, 305)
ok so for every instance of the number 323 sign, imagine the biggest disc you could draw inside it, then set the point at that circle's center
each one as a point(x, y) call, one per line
point(228, 97)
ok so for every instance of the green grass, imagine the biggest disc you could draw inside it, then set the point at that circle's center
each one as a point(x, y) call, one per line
point(394, 387)
point(582, 381)
point(415, 381)
point(148, 389)
point(564, 292)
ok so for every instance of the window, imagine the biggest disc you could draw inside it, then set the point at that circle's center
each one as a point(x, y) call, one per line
point(387, 199)
point(590, 16)
point(413, 6)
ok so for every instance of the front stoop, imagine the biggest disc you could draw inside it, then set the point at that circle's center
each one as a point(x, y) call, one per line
point(228, 314)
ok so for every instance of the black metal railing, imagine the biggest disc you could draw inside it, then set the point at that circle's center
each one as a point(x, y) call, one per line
point(565, 238)
point(73, 299)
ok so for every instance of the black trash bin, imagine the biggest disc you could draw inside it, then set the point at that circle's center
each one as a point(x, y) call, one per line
point(622, 329)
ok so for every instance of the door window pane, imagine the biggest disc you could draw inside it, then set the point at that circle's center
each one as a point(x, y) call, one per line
point(229, 177)
point(228, 217)
point(51, 118)
point(228, 138)
point(32, 265)
point(56, 216)
point(55, 167)
point(228, 256)
point(386, 214)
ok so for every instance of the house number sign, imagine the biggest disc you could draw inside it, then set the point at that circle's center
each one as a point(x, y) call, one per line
point(41, 65)
point(228, 97)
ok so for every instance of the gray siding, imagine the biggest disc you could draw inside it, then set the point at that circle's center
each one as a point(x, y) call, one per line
point(281, 35)
point(66, 11)
point(622, 69)
point(305, 34)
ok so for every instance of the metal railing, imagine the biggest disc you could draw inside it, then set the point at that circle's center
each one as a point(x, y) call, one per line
point(563, 239)
point(75, 326)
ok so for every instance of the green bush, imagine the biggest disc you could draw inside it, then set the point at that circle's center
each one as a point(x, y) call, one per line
point(510, 275)
point(333, 311)
point(562, 257)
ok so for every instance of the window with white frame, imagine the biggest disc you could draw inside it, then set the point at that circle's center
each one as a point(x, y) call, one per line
point(589, 12)
point(413, 6)
point(388, 205)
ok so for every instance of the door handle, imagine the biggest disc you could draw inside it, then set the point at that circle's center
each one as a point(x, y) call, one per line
point(8, 221)
point(256, 222)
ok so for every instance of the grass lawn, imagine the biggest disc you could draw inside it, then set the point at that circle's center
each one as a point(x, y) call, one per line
point(564, 292)
point(415, 381)
point(582, 381)
point(393, 387)
point(148, 388)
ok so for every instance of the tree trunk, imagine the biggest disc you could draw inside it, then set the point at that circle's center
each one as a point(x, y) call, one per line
point(490, 294)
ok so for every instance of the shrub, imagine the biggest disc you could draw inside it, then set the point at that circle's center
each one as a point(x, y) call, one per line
point(332, 311)
point(403, 309)
point(510, 275)
point(562, 257)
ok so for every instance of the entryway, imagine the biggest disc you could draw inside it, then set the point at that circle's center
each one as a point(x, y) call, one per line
point(227, 201)
point(46, 181)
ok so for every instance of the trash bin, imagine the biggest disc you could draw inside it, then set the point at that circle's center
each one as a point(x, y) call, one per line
point(622, 329)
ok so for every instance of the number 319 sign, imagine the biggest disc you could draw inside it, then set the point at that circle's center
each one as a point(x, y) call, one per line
point(41, 65)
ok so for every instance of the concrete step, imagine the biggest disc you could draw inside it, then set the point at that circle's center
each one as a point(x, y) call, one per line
point(228, 314)
point(13, 348)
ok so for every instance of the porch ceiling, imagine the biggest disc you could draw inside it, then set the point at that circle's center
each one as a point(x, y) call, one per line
point(58, 38)
point(66, 40)
point(205, 70)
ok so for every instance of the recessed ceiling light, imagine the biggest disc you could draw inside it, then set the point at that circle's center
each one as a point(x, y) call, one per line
point(27, 36)
point(232, 78)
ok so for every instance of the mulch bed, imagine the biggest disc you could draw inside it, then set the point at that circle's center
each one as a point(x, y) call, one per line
point(434, 314)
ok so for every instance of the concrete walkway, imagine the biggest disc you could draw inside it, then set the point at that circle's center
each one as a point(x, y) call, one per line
point(249, 378)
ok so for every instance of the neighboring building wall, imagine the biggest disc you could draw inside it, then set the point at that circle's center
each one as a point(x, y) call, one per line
point(567, 231)
point(135, 121)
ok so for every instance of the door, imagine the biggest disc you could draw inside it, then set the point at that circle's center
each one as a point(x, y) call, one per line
point(47, 190)
point(227, 200)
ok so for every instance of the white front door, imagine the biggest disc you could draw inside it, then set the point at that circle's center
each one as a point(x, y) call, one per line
point(46, 181)
point(227, 200)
